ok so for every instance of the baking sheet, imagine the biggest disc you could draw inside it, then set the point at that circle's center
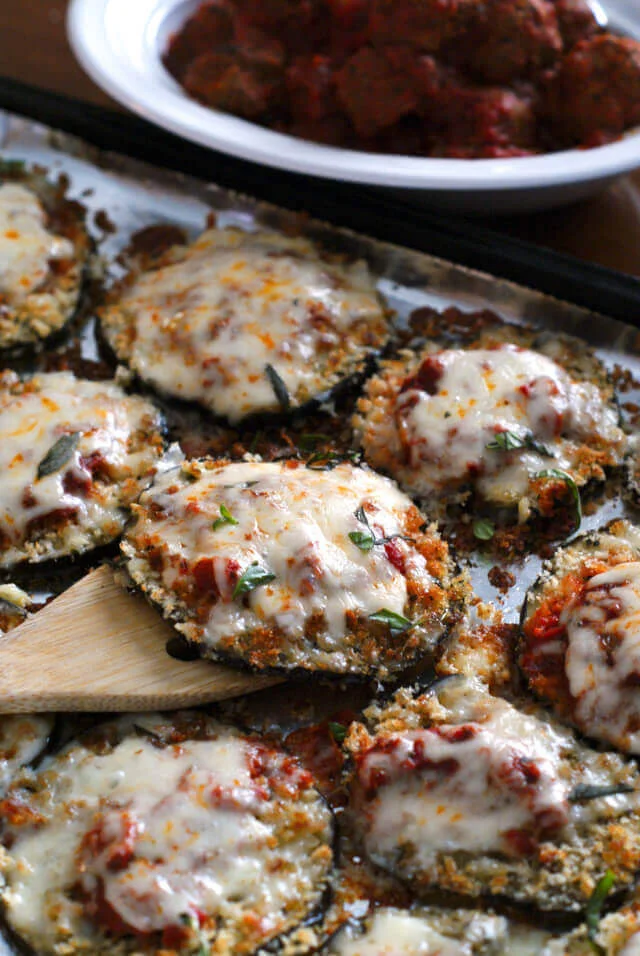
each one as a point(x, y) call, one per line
point(135, 195)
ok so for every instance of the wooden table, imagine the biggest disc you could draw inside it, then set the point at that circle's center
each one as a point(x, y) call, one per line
point(606, 229)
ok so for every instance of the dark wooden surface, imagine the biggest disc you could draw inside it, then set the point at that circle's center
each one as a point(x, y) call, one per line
point(606, 229)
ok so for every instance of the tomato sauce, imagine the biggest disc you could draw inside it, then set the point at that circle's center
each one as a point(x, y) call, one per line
point(450, 78)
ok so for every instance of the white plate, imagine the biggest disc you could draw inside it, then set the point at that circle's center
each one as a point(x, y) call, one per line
point(119, 44)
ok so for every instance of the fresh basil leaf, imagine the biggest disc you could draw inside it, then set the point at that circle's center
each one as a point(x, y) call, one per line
point(280, 389)
point(225, 518)
point(596, 901)
point(510, 441)
point(571, 485)
point(483, 529)
point(398, 624)
point(58, 455)
point(363, 540)
point(584, 791)
point(337, 731)
point(254, 577)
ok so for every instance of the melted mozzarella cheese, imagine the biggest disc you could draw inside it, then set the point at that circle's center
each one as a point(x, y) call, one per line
point(294, 523)
point(602, 659)
point(208, 325)
point(472, 802)
point(480, 393)
point(26, 245)
point(391, 932)
point(32, 420)
point(191, 830)
point(632, 947)
point(22, 738)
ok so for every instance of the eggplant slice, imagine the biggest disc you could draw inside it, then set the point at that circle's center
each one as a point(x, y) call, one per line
point(246, 323)
point(456, 789)
point(580, 644)
point(155, 833)
point(74, 454)
point(23, 737)
point(512, 418)
point(44, 248)
point(281, 566)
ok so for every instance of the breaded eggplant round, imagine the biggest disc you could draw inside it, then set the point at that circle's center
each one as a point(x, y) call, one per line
point(457, 789)
point(580, 643)
point(22, 738)
point(43, 250)
point(246, 323)
point(501, 421)
point(74, 454)
point(163, 834)
point(280, 566)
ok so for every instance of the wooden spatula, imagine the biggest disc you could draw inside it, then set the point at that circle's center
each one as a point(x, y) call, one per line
point(99, 647)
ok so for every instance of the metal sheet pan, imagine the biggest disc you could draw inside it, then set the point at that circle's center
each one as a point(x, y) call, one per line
point(134, 195)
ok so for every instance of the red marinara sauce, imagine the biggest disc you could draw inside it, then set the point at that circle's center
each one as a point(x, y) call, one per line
point(452, 78)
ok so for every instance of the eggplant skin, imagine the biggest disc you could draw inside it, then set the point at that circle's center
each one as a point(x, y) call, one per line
point(186, 587)
point(172, 780)
point(606, 708)
point(553, 869)
point(49, 307)
point(261, 324)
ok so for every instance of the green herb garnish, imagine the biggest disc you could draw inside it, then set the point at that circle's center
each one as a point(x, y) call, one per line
point(366, 540)
point(571, 485)
point(510, 441)
point(204, 949)
point(280, 389)
point(584, 791)
point(58, 455)
point(254, 577)
point(483, 529)
point(337, 731)
point(309, 442)
point(593, 909)
point(225, 518)
point(328, 460)
point(398, 624)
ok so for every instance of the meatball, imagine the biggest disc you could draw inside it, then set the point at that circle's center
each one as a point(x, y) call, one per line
point(422, 24)
point(509, 39)
point(211, 29)
point(376, 88)
point(576, 21)
point(234, 84)
point(481, 122)
point(595, 94)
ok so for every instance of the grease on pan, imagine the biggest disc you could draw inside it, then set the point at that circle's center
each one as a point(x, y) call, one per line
point(152, 833)
point(281, 566)
point(43, 251)
point(246, 323)
point(580, 645)
point(458, 790)
point(74, 454)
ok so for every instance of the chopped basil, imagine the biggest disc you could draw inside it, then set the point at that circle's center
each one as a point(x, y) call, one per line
point(366, 540)
point(328, 460)
point(593, 909)
point(337, 731)
point(254, 577)
point(398, 624)
point(280, 389)
point(58, 455)
point(509, 441)
point(309, 442)
point(204, 949)
point(225, 518)
point(571, 485)
point(483, 529)
point(584, 791)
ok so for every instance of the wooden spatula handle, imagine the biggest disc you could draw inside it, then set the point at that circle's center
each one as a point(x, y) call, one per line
point(97, 647)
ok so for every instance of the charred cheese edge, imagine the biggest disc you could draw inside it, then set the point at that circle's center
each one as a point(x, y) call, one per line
point(291, 577)
point(43, 250)
point(460, 790)
point(246, 323)
point(170, 833)
point(435, 420)
point(580, 644)
point(73, 455)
